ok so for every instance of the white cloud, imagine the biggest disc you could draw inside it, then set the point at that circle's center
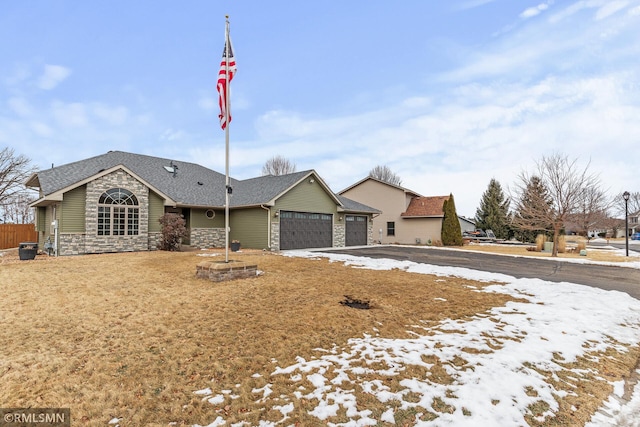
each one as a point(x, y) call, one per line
point(52, 76)
point(472, 4)
point(19, 74)
point(41, 129)
point(20, 106)
point(172, 135)
point(475, 133)
point(610, 8)
point(208, 103)
point(536, 10)
point(604, 9)
point(69, 115)
point(115, 116)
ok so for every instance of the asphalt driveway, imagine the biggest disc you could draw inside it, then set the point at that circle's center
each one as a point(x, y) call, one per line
point(622, 279)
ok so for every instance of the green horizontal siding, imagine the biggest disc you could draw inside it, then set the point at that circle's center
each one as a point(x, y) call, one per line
point(41, 218)
point(199, 219)
point(250, 227)
point(307, 197)
point(72, 210)
point(156, 210)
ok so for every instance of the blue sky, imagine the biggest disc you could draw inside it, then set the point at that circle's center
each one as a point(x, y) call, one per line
point(447, 94)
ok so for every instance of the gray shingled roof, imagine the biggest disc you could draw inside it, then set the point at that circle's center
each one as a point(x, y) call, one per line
point(353, 206)
point(192, 185)
point(183, 188)
point(263, 189)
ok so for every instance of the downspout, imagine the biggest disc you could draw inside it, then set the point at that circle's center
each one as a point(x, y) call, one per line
point(374, 216)
point(266, 208)
point(55, 230)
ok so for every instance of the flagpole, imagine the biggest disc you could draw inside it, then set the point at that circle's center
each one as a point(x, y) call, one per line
point(226, 142)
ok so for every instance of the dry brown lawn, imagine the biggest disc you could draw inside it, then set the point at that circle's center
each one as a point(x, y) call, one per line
point(133, 335)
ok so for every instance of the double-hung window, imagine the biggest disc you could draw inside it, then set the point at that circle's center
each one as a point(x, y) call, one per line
point(118, 213)
point(391, 228)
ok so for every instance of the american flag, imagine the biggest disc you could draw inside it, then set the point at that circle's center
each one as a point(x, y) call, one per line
point(223, 90)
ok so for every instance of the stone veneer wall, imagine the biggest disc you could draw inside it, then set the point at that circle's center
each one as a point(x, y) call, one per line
point(71, 243)
point(204, 238)
point(154, 240)
point(339, 238)
point(275, 236)
point(99, 244)
point(221, 271)
point(369, 232)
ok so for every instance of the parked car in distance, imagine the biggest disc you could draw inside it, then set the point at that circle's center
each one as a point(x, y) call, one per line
point(635, 236)
point(477, 233)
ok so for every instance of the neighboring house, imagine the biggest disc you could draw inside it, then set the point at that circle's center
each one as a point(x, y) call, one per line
point(466, 224)
point(406, 216)
point(112, 203)
point(634, 223)
point(391, 200)
point(423, 219)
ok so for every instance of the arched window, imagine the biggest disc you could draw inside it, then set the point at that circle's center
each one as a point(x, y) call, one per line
point(118, 213)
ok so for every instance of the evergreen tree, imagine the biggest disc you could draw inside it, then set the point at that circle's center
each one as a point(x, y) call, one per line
point(493, 213)
point(451, 231)
point(535, 194)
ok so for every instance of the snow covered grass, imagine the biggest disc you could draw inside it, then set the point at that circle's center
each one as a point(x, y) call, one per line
point(549, 357)
point(529, 362)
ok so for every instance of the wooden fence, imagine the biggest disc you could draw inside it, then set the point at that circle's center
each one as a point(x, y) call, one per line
point(11, 235)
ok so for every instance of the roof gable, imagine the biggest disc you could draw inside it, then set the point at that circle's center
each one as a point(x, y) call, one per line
point(379, 181)
point(269, 188)
point(191, 184)
point(57, 195)
point(426, 207)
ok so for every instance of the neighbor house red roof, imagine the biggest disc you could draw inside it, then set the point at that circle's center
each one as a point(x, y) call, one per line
point(426, 207)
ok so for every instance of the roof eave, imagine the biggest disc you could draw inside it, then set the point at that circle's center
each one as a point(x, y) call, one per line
point(346, 210)
point(399, 187)
point(45, 201)
point(57, 195)
point(33, 181)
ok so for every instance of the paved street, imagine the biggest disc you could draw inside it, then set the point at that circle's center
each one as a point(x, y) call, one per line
point(634, 246)
point(600, 276)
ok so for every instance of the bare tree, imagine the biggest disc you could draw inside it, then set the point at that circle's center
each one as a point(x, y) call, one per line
point(14, 171)
point(633, 204)
point(566, 184)
point(592, 211)
point(384, 173)
point(278, 165)
point(16, 210)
